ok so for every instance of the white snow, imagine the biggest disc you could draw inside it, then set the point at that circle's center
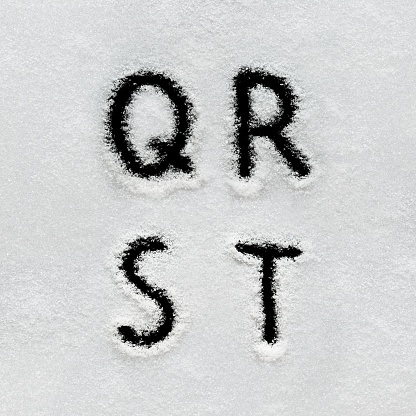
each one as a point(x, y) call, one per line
point(347, 304)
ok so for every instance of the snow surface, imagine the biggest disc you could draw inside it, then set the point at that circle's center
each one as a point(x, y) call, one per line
point(348, 303)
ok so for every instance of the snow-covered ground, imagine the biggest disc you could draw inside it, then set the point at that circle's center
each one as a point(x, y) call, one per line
point(347, 311)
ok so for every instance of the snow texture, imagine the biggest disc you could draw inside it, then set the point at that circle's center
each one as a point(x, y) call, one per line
point(347, 309)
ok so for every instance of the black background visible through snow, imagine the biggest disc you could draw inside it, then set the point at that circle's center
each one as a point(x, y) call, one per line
point(246, 80)
point(268, 253)
point(170, 157)
point(129, 267)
